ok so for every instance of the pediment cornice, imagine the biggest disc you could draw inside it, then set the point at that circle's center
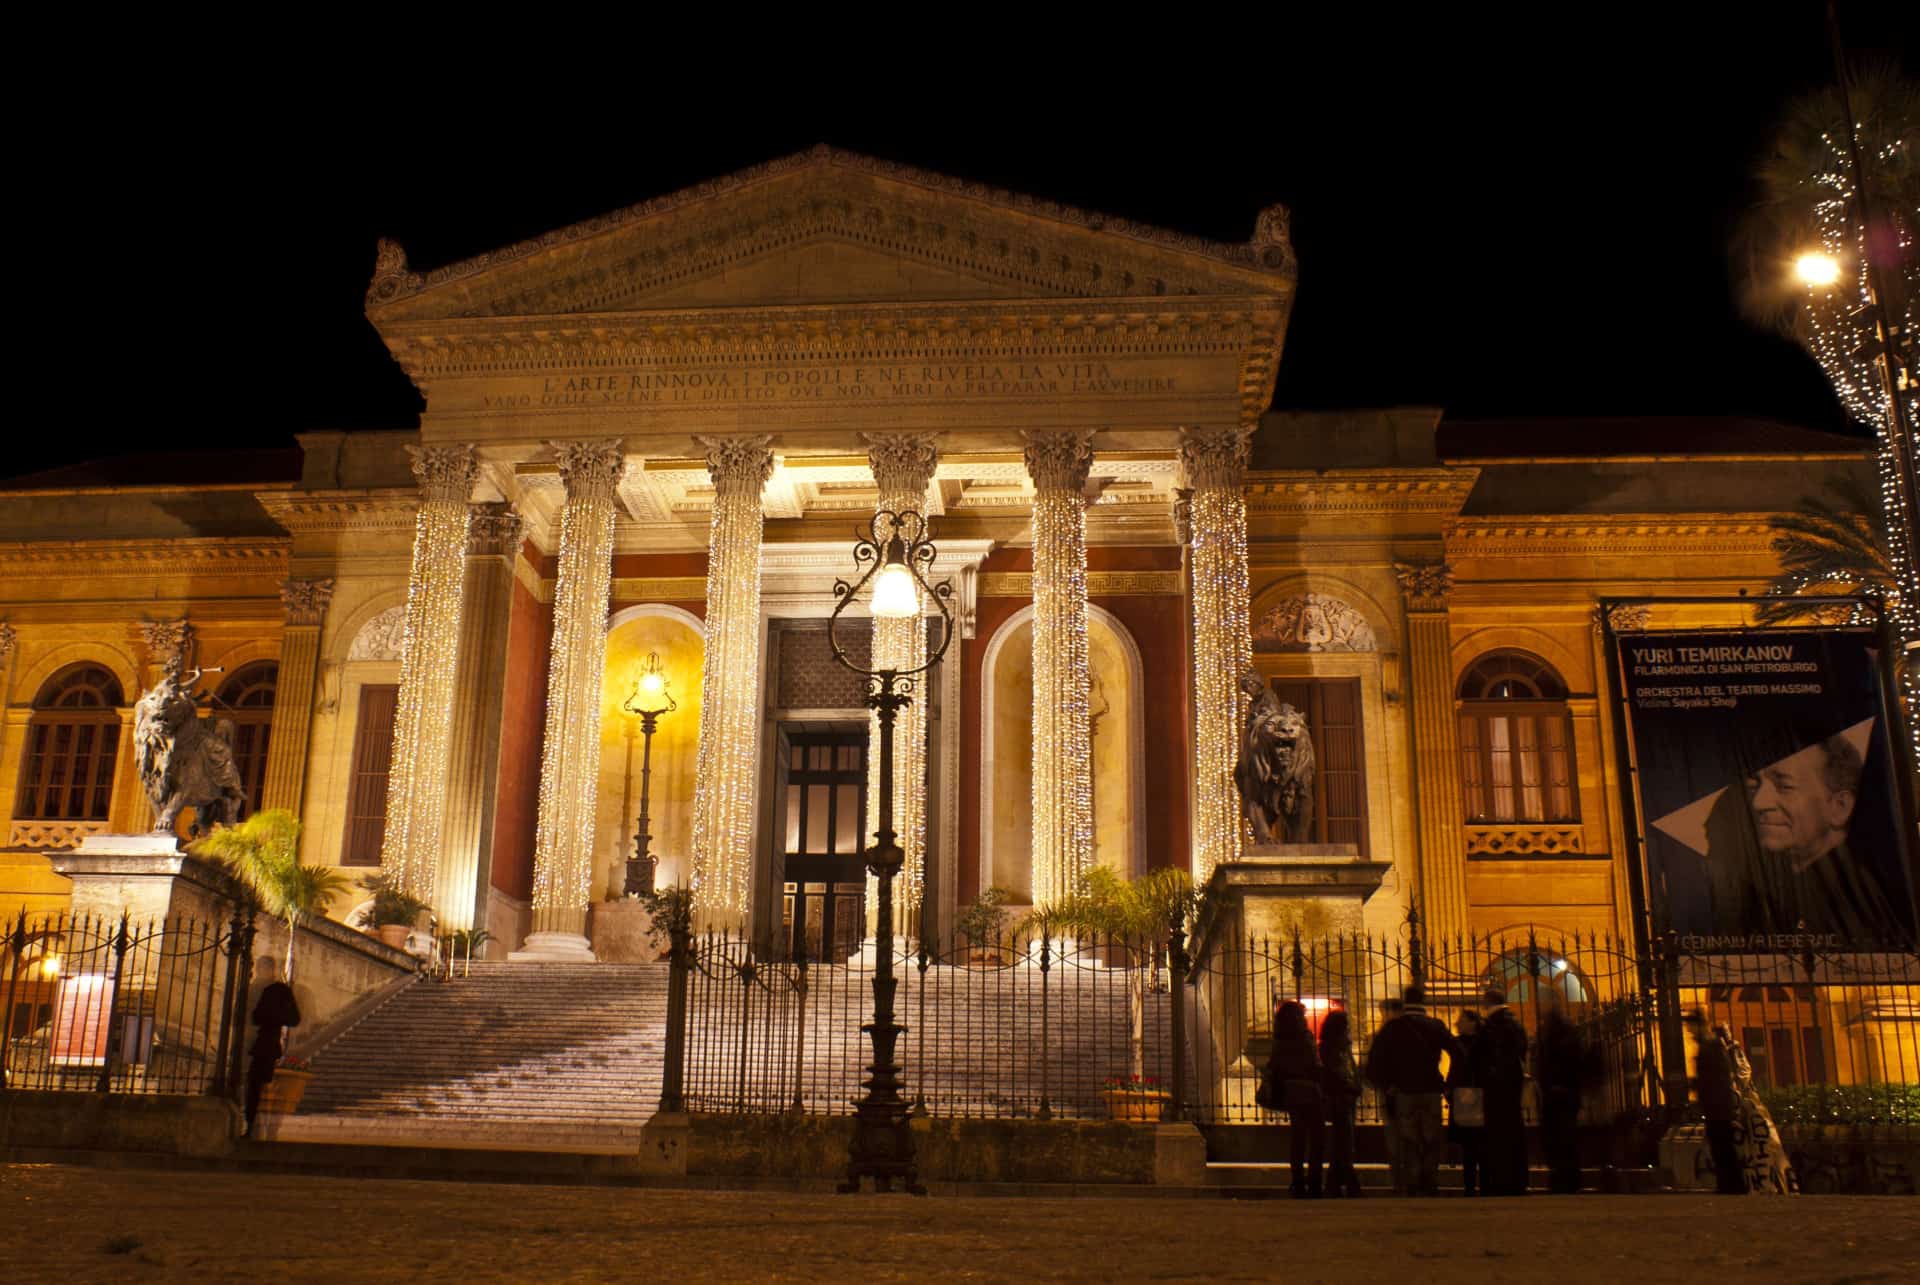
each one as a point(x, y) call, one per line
point(1624, 535)
point(1020, 245)
point(1360, 492)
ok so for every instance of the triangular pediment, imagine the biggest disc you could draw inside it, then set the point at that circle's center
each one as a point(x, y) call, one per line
point(827, 227)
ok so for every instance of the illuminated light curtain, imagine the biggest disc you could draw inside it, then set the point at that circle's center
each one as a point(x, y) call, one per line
point(903, 465)
point(1215, 460)
point(570, 753)
point(1436, 750)
point(1058, 462)
point(423, 715)
point(730, 681)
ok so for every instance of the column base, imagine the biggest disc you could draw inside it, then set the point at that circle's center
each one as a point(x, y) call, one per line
point(554, 948)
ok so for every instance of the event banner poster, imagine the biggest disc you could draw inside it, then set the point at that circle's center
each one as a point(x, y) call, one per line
point(1768, 789)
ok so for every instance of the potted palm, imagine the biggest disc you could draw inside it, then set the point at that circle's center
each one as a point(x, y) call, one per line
point(982, 924)
point(394, 911)
point(263, 852)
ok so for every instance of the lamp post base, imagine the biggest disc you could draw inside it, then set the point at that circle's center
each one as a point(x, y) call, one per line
point(882, 1147)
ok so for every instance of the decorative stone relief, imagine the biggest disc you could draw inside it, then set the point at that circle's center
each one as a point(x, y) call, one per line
point(493, 529)
point(306, 600)
point(380, 638)
point(1313, 622)
point(1524, 840)
point(591, 470)
point(1427, 586)
point(169, 643)
point(1215, 456)
point(445, 472)
point(1059, 459)
point(739, 462)
point(1625, 617)
point(8, 641)
point(1183, 515)
point(902, 461)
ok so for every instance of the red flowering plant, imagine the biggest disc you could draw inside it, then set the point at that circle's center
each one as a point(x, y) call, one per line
point(1132, 1083)
point(291, 1063)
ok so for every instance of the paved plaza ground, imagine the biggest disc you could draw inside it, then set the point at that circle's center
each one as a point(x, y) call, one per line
point(78, 1225)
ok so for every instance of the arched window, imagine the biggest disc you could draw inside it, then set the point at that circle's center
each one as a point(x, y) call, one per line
point(73, 738)
point(246, 700)
point(1525, 975)
point(1516, 741)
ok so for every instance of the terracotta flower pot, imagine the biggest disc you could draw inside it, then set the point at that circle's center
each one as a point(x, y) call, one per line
point(1137, 1106)
point(284, 1091)
point(394, 935)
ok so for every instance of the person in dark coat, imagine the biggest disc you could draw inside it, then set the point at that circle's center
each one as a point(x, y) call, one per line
point(1499, 1058)
point(1560, 1071)
point(1293, 1069)
point(273, 1013)
point(1713, 1089)
point(1404, 1062)
point(1340, 1083)
point(1471, 1138)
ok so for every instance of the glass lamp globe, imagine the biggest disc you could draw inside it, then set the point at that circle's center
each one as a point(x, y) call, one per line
point(653, 682)
point(1816, 268)
point(895, 596)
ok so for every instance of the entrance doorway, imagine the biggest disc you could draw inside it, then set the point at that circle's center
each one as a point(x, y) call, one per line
point(824, 881)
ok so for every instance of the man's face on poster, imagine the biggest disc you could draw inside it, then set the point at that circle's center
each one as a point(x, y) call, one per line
point(1799, 812)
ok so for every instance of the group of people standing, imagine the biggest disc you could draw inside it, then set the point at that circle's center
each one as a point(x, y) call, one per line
point(1317, 1085)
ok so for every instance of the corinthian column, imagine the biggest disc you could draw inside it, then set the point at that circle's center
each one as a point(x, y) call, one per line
point(493, 541)
point(730, 681)
point(570, 752)
point(306, 606)
point(1057, 461)
point(423, 715)
point(1436, 749)
point(1215, 460)
point(903, 465)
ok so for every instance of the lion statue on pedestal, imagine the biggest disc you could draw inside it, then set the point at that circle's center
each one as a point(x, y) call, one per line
point(184, 763)
point(1275, 771)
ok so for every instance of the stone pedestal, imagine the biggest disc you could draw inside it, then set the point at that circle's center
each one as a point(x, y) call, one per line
point(1320, 889)
point(146, 876)
point(554, 948)
point(623, 933)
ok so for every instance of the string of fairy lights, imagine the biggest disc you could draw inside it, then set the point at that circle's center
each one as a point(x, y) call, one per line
point(423, 711)
point(1058, 462)
point(1829, 328)
point(730, 680)
point(570, 754)
point(1215, 461)
point(903, 467)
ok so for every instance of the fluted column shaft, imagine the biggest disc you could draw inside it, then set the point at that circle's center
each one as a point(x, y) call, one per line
point(306, 607)
point(570, 752)
point(730, 681)
point(1215, 460)
point(493, 540)
point(1058, 461)
point(903, 465)
point(1436, 749)
point(423, 715)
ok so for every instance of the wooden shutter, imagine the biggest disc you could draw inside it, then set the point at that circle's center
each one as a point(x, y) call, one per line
point(367, 785)
point(1332, 707)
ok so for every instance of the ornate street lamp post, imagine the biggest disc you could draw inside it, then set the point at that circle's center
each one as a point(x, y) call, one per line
point(645, 700)
point(893, 553)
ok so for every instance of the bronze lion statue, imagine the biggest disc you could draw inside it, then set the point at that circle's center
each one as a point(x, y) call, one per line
point(183, 762)
point(1275, 771)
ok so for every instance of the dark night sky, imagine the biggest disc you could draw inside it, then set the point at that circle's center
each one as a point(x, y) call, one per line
point(1504, 219)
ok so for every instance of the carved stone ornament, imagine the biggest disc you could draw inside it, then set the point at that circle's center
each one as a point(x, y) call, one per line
point(1273, 237)
point(445, 472)
point(8, 641)
point(1058, 459)
point(1215, 456)
point(1427, 586)
point(1183, 514)
point(1276, 767)
point(391, 277)
point(1627, 617)
point(306, 600)
point(902, 462)
point(1313, 622)
point(591, 470)
point(739, 463)
point(493, 530)
point(169, 643)
point(380, 638)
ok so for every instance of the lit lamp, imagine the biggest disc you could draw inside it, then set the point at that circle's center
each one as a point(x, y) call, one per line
point(893, 555)
point(649, 699)
point(1817, 268)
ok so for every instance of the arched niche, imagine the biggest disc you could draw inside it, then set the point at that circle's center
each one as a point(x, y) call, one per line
point(679, 638)
point(1119, 747)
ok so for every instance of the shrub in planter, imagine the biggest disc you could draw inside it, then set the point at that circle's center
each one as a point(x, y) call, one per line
point(1843, 1104)
point(393, 909)
point(983, 924)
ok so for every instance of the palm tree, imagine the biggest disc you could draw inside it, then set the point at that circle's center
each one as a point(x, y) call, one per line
point(1835, 546)
point(263, 852)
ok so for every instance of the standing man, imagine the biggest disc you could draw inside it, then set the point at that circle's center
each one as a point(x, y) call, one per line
point(1404, 1064)
point(1713, 1090)
point(1500, 1068)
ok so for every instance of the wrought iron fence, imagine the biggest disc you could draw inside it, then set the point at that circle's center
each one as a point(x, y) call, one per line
point(1031, 1027)
point(107, 1005)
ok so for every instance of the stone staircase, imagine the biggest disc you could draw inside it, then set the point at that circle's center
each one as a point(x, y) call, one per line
point(551, 1050)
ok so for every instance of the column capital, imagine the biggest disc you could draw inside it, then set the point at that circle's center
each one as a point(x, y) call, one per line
point(1058, 459)
point(902, 461)
point(8, 641)
point(1216, 456)
point(739, 463)
point(1625, 617)
point(493, 530)
point(1427, 586)
point(1183, 514)
point(306, 601)
point(591, 470)
point(169, 643)
point(445, 472)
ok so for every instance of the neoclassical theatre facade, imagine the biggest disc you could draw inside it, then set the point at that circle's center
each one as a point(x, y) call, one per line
point(656, 433)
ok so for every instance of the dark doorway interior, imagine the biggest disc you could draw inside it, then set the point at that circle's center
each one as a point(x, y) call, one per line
point(823, 901)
